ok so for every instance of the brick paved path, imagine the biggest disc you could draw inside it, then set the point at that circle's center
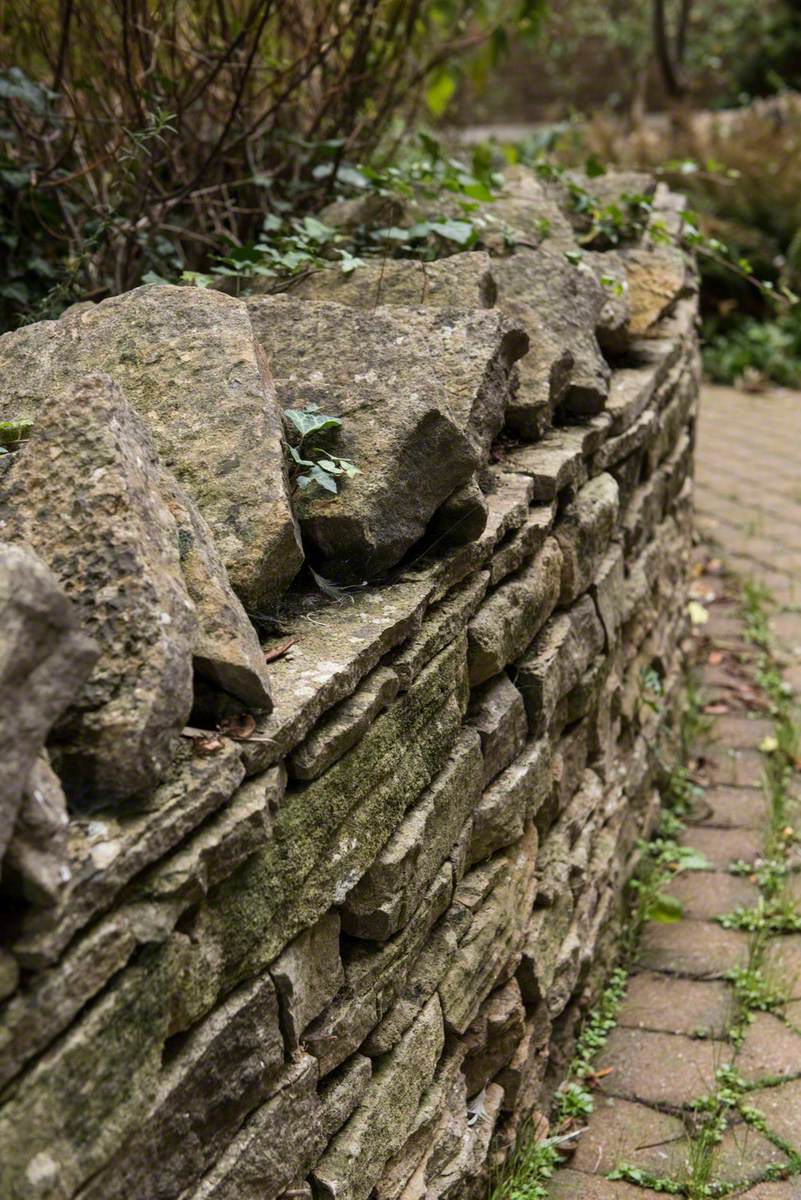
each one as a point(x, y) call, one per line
point(681, 1020)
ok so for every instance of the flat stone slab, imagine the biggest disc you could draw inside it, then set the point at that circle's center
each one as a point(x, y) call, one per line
point(700, 949)
point(741, 731)
point(667, 1005)
point(724, 846)
point(622, 1131)
point(734, 768)
point(783, 963)
point(774, 1191)
point(770, 1049)
point(660, 1068)
point(705, 895)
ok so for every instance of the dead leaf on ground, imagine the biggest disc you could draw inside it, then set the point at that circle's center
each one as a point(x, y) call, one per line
point(240, 727)
point(211, 744)
point(279, 651)
point(716, 710)
point(715, 658)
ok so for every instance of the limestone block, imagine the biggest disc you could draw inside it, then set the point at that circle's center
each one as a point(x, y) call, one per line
point(569, 300)
point(342, 1091)
point(529, 212)
point(584, 532)
point(344, 725)
point(337, 645)
point(636, 437)
point(658, 276)
point(450, 368)
point(106, 853)
point(278, 1144)
point(388, 892)
point(9, 974)
point(539, 380)
point(525, 543)
point(45, 660)
point(512, 800)
point(606, 590)
point(556, 462)
point(569, 762)
point(356, 1158)
point(512, 614)
point(611, 326)
point(440, 625)
point(458, 281)
point(227, 1066)
point(460, 519)
point(328, 832)
point(494, 1035)
point(187, 361)
point(374, 976)
point(490, 943)
point(557, 659)
point(116, 555)
point(35, 865)
point(523, 1077)
point(308, 974)
point(498, 713)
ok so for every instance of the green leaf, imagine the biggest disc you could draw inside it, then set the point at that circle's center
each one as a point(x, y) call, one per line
point(322, 477)
point(307, 421)
point(439, 92)
point(664, 909)
point(593, 167)
point(460, 232)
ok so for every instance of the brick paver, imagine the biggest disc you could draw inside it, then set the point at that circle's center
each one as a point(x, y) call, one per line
point(673, 1032)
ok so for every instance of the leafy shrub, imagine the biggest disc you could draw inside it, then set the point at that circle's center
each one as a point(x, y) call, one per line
point(147, 135)
point(757, 350)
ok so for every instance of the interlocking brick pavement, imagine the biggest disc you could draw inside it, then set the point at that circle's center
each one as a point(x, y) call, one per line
point(674, 1028)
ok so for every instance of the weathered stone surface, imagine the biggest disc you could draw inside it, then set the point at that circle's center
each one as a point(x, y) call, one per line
point(556, 462)
point(342, 1091)
point(569, 300)
point(356, 1158)
point(530, 538)
point(528, 211)
point(45, 659)
point(35, 864)
point(511, 616)
point(450, 367)
point(227, 1066)
point(9, 976)
point(308, 974)
point(225, 647)
point(658, 276)
point(511, 801)
point(620, 1131)
point(637, 1059)
point(611, 326)
point(606, 590)
point(557, 659)
point(338, 643)
point(440, 625)
point(117, 557)
point(669, 1005)
point(491, 905)
point(374, 976)
point(771, 1049)
point(493, 1036)
point(108, 852)
point(461, 518)
point(388, 892)
point(329, 831)
point(498, 713)
point(343, 727)
point(583, 533)
point(187, 361)
point(570, 1185)
point(458, 281)
point(539, 380)
point(277, 1144)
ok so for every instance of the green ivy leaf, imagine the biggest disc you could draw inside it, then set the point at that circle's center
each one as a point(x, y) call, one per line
point(460, 232)
point(664, 909)
point(307, 421)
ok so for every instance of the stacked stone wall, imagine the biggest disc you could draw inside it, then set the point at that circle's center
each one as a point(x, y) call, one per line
point(318, 916)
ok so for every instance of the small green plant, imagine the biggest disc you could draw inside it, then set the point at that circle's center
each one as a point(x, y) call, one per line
point(573, 1102)
point(317, 465)
point(14, 433)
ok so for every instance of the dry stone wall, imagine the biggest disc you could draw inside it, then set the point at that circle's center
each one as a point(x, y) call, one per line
point(305, 884)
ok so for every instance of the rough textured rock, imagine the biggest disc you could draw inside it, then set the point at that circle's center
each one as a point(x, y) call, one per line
point(44, 661)
point(658, 276)
point(344, 726)
point(187, 361)
point(557, 660)
point(342, 1091)
point(511, 616)
point(451, 367)
point(584, 532)
point(35, 864)
point(117, 557)
point(459, 281)
point(612, 324)
point(357, 1156)
point(441, 624)
point(387, 894)
point(513, 800)
point(308, 974)
point(568, 301)
point(498, 713)
point(461, 518)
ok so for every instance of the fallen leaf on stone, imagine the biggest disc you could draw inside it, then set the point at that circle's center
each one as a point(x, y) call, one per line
point(279, 651)
point(716, 710)
point(211, 744)
point(239, 727)
point(715, 658)
point(769, 745)
point(697, 613)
